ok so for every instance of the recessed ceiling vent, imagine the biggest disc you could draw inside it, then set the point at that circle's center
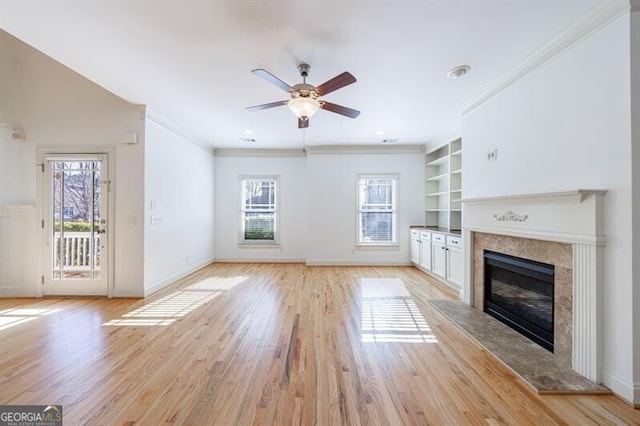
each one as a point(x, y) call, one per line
point(460, 71)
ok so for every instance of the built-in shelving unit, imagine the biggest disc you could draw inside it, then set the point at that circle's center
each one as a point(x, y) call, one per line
point(443, 186)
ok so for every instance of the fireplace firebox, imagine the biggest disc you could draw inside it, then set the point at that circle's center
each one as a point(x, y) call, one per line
point(519, 293)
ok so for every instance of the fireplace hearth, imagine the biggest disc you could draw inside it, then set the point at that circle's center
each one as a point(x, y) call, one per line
point(520, 293)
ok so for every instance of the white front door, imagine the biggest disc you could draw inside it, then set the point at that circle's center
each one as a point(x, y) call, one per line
point(75, 222)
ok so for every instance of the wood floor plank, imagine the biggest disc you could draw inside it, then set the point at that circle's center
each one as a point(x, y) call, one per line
point(271, 344)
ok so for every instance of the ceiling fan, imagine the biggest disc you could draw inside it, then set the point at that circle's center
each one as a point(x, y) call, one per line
point(305, 98)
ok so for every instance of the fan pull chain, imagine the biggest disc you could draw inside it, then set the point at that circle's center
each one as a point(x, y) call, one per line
point(304, 140)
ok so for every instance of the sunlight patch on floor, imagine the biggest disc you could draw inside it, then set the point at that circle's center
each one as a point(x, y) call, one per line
point(176, 305)
point(389, 313)
point(13, 317)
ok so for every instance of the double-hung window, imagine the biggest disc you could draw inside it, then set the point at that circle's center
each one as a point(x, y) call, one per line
point(377, 204)
point(259, 209)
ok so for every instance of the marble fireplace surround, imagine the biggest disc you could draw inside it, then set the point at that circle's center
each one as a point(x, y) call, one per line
point(561, 228)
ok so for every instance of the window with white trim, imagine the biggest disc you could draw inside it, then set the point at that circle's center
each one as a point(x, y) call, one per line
point(377, 203)
point(259, 209)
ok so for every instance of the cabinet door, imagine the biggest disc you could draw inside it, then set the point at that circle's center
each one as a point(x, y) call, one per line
point(455, 268)
point(425, 250)
point(425, 255)
point(414, 247)
point(439, 265)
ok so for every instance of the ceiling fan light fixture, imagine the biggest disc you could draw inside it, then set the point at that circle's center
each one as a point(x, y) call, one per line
point(304, 107)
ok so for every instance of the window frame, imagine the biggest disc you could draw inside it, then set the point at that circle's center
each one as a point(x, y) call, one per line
point(243, 210)
point(394, 210)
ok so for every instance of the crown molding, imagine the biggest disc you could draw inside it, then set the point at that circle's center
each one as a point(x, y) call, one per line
point(587, 24)
point(237, 152)
point(365, 149)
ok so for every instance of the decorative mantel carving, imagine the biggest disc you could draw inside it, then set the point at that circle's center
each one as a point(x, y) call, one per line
point(510, 216)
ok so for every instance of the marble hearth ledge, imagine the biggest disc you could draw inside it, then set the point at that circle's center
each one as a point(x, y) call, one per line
point(534, 364)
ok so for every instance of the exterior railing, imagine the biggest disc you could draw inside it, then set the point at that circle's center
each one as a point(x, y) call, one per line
point(75, 251)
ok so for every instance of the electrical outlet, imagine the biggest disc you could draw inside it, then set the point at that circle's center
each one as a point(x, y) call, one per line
point(492, 155)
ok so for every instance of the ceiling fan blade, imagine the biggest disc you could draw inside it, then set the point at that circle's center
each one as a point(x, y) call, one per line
point(266, 75)
point(339, 109)
point(265, 106)
point(335, 83)
point(303, 124)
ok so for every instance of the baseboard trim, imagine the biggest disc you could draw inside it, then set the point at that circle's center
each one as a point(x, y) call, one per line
point(258, 260)
point(628, 392)
point(355, 262)
point(18, 292)
point(126, 293)
point(168, 281)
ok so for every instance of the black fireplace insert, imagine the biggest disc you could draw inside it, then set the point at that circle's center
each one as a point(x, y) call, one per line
point(519, 292)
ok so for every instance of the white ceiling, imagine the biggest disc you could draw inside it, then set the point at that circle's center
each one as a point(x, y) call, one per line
point(190, 61)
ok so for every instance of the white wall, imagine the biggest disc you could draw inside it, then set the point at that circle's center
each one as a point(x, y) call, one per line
point(635, 129)
point(292, 206)
point(564, 126)
point(57, 108)
point(332, 206)
point(179, 195)
point(318, 201)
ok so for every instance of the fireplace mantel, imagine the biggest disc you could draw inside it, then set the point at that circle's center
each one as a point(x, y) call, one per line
point(567, 217)
point(574, 217)
point(560, 197)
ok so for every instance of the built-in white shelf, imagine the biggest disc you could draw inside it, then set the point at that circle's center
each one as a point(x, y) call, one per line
point(438, 161)
point(443, 193)
point(438, 177)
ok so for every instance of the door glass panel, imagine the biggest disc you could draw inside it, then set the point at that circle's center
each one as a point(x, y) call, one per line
point(76, 219)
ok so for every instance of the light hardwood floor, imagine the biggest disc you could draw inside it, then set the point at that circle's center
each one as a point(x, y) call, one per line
point(271, 344)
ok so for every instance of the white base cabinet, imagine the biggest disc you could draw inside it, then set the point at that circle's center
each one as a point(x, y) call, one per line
point(414, 246)
point(455, 264)
point(439, 254)
point(425, 250)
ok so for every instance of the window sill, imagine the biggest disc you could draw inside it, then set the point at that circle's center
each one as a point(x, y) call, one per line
point(258, 244)
point(372, 246)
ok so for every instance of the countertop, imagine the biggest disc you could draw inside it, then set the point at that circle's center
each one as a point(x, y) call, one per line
point(436, 229)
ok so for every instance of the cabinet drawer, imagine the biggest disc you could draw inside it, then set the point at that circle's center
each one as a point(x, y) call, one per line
point(454, 241)
point(425, 236)
point(438, 238)
point(415, 233)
